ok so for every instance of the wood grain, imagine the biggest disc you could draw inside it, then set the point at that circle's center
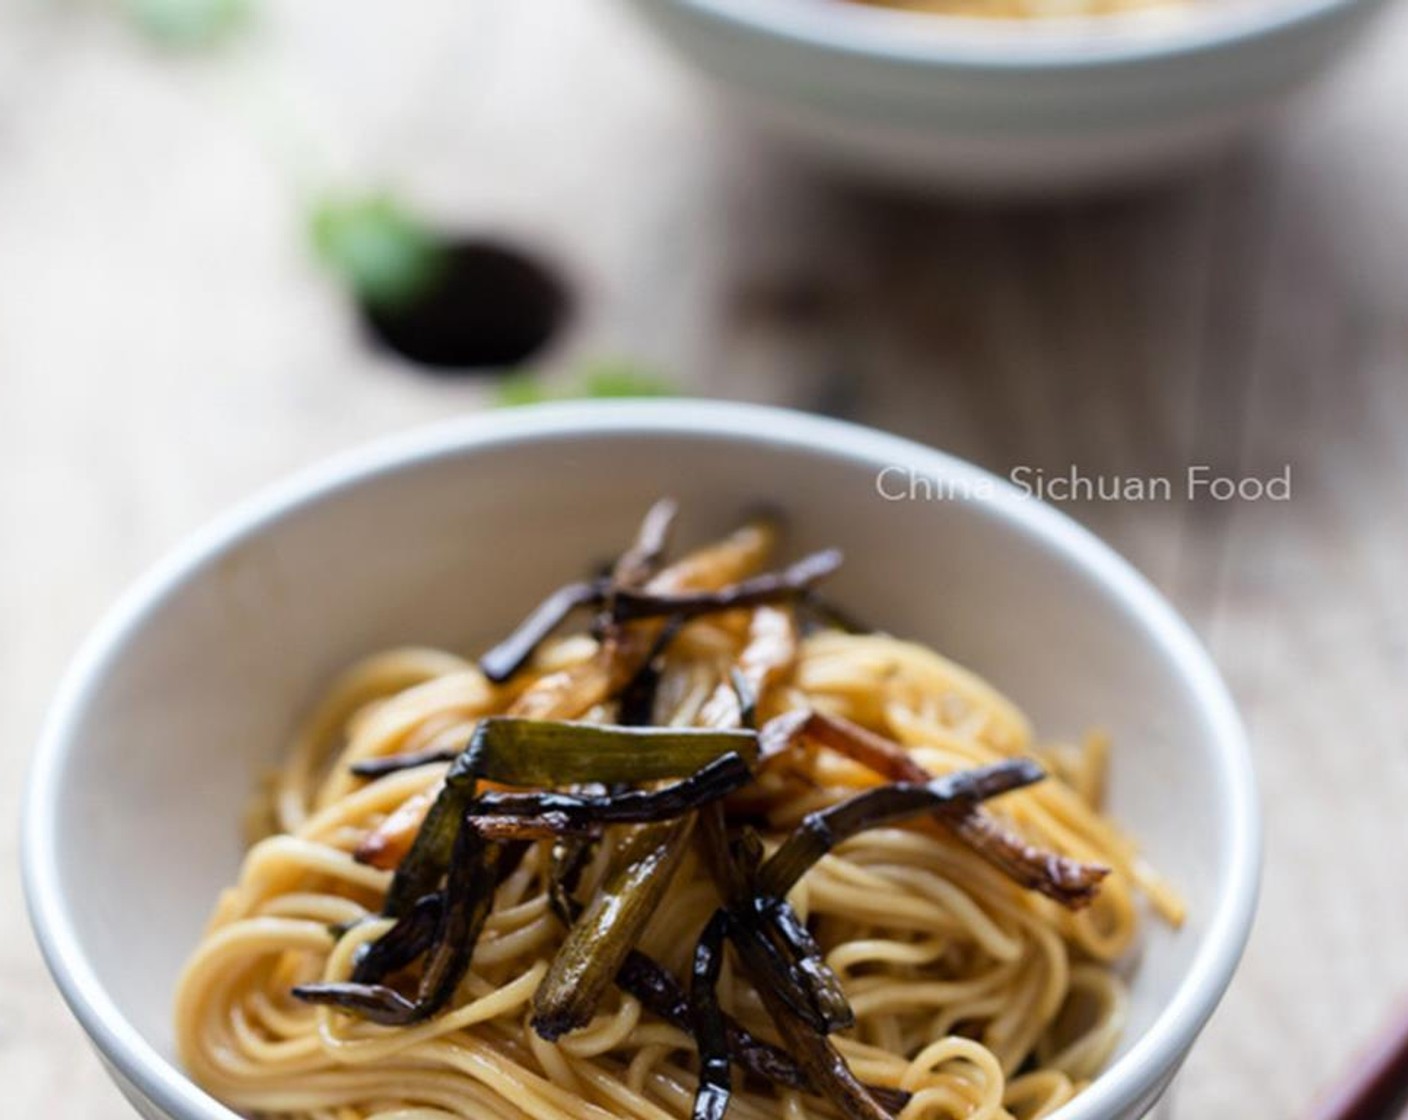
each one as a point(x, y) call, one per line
point(166, 347)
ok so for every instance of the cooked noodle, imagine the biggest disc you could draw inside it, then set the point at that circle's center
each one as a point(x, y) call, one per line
point(981, 999)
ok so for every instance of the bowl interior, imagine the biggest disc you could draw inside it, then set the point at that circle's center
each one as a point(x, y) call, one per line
point(158, 750)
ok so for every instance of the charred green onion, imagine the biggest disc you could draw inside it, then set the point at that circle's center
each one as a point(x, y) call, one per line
point(825, 1069)
point(510, 655)
point(660, 993)
point(769, 588)
point(469, 893)
point(569, 858)
point(608, 929)
point(636, 706)
point(376, 1003)
point(771, 939)
point(707, 1020)
point(543, 753)
point(539, 753)
point(635, 566)
point(395, 763)
point(1068, 881)
point(1065, 880)
point(747, 698)
point(735, 866)
point(718, 779)
point(821, 831)
point(401, 944)
point(647, 552)
point(788, 937)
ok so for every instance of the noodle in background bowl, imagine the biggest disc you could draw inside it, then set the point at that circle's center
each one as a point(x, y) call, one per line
point(1007, 108)
point(188, 691)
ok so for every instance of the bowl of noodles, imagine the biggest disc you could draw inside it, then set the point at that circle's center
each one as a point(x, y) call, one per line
point(1007, 98)
point(642, 760)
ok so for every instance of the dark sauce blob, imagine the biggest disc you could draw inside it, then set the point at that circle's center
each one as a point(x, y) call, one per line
point(490, 307)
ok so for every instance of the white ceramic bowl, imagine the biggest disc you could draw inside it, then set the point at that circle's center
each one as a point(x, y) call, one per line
point(997, 108)
point(191, 686)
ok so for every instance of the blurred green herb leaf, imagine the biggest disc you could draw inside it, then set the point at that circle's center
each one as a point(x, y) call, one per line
point(387, 257)
point(605, 379)
point(623, 379)
point(187, 24)
point(521, 388)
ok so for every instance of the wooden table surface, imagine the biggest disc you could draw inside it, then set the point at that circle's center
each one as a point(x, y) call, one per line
point(166, 347)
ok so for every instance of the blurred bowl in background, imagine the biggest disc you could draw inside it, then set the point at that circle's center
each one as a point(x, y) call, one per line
point(994, 107)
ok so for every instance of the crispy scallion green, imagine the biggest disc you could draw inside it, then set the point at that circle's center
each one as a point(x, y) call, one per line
point(545, 753)
point(1065, 880)
point(569, 858)
point(823, 1065)
point(401, 944)
point(395, 763)
point(647, 552)
point(771, 587)
point(474, 872)
point(510, 655)
point(636, 705)
point(821, 831)
point(636, 565)
point(608, 929)
point(773, 942)
point(661, 994)
point(707, 1021)
point(711, 782)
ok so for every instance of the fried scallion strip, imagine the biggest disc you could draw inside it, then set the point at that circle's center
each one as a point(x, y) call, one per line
point(540, 753)
point(661, 994)
point(822, 830)
point(636, 704)
point(500, 663)
point(771, 939)
point(570, 693)
point(608, 929)
point(707, 1022)
point(771, 587)
point(767, 658)
point(647, 552)
point(636, 565)
point(1068, 881)
point(734, 863)
point(401, 944)
point(825, 1068)
point(545, 753)
point(395, 763)
point(468, 895)
point(712, 781)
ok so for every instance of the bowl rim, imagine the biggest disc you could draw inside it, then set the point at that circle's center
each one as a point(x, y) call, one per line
point(865, 31)
point(1127, 1082)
